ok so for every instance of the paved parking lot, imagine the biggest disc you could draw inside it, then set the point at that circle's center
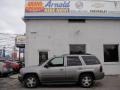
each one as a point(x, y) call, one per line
point(108, 83)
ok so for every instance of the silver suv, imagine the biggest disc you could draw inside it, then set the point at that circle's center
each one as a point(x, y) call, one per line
point(80, 69)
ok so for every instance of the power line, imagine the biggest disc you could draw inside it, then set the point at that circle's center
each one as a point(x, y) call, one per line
point(1, 38)
point(9, 34)
point(7, 41)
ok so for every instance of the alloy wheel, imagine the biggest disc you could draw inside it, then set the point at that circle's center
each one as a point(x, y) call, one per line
point(86, 81)
point(31, 81)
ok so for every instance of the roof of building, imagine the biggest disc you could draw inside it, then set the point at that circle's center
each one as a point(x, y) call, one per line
point(71, 17)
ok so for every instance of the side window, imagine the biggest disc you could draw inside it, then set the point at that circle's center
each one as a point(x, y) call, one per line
point(73, 61)
point(56, 62)
point(90, 60)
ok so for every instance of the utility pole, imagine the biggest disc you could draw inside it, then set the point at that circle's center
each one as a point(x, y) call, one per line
point(19, 54)
point(14, 53)
point(3, 51)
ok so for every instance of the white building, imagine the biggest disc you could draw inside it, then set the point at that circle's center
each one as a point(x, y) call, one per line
point(94, 30)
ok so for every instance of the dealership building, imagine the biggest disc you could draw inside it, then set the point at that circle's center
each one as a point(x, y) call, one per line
point(57, 27)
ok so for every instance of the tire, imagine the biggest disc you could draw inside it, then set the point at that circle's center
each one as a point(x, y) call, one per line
point(86, 80)
point(5, 74)
point(0, 74)
point(31, 81)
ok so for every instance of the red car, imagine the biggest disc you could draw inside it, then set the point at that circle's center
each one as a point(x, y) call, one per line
point(15, 66)
point(5, 69)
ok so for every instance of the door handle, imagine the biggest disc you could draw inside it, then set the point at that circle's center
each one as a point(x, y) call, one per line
point(79, 68)
point(61, 69)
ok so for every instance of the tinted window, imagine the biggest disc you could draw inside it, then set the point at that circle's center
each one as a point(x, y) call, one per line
point(58, 61)
point(76, 20)
point(77, 49)
point(43, 56)
point(73, 61)
point(90, 60)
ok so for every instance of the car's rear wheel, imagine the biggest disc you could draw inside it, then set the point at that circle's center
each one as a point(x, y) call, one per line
point(31, 81)
point(0, 74)
point(86, 80)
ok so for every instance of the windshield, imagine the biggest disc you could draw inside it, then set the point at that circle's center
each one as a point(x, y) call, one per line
point(90, 60)
point(42, 62)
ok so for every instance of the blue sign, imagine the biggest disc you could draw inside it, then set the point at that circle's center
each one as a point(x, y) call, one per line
point(63, 4)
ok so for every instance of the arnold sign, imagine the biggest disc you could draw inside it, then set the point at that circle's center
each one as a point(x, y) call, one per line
point(72, 8)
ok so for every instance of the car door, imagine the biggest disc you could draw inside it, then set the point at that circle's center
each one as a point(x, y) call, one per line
point(74, 67)
point(53, 71)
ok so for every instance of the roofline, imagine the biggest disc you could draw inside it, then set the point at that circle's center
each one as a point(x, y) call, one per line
point(71, 17)
point(84, 54)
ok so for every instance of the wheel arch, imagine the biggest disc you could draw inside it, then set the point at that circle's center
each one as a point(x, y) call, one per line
point(31, 73)
point(89, 72)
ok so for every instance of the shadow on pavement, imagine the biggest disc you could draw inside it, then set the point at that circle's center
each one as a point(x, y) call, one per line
point(97, 84)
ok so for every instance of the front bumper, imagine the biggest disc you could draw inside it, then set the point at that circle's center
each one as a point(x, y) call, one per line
point(20, 78)
point(6, 71)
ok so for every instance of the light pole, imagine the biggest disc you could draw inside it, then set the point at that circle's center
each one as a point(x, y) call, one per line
point(3, 51)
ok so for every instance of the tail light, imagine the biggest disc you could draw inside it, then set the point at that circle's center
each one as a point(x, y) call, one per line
point(101, 68)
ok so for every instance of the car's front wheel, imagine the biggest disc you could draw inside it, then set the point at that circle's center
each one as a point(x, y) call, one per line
point(86, 80)
point(31, 81)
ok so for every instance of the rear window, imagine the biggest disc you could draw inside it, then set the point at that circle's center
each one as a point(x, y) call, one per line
point(90, 60)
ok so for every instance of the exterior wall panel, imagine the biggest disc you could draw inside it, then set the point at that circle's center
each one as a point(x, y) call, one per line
point(55, 36)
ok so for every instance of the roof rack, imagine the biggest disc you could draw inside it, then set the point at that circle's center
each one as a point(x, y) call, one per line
point(77, 54)
point(72, 54)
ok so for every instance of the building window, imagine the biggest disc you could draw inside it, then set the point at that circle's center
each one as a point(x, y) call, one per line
point(77, 49)
point(43, 56)
point(111, 53)
point(76, 20)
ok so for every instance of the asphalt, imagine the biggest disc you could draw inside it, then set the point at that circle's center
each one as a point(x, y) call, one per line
point(108, 83)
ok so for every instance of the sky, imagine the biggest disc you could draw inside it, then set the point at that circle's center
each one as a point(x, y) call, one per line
point(11, 14)
point(11, 23)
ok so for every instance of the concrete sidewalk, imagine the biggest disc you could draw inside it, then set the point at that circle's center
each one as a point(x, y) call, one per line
point(14, 76)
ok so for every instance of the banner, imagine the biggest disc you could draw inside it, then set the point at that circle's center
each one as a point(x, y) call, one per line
point(72, 8)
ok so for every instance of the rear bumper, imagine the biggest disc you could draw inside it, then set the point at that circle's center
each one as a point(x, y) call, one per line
point(6, 71)
point(99, 76)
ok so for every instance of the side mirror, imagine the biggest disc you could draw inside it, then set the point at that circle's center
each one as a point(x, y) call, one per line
point(46, 66)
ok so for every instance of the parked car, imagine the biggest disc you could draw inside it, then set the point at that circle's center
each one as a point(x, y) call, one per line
point(14, 65)
point(80, 69)
point(21, 63)
point(5, 69)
